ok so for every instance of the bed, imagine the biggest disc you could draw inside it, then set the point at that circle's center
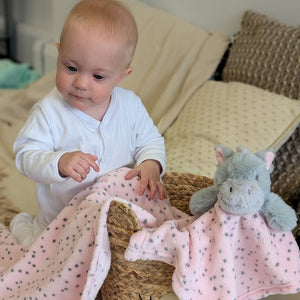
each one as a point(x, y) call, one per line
point(201, 89)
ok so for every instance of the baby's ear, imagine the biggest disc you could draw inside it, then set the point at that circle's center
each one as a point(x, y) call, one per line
point(222, 153)
point(57, 44)
point(126, 73)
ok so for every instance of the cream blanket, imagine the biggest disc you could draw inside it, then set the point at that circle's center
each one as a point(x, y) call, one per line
point(172, 60)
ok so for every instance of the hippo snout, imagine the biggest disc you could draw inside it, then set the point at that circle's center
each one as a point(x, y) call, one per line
point(241, 197)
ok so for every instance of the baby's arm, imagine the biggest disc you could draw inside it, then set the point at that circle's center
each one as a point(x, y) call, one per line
point(149, 171)
point(149, 152)
point(38, 155)
point(77, 165)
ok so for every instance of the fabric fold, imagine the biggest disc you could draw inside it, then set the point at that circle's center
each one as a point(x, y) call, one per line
point(222, 256)
point(216, 255)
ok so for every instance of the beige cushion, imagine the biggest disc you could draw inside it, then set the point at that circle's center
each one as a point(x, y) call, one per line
point(232, 114)
point(266, 54)
point(172, 60)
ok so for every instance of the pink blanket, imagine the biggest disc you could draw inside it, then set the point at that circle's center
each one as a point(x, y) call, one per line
point(219, 255)
point(71, 258)
point(222, 256)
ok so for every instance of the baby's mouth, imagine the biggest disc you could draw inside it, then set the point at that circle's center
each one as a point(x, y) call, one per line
point(78, 97)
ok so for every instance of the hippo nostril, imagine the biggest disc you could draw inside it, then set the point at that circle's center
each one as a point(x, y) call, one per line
point(230, 189)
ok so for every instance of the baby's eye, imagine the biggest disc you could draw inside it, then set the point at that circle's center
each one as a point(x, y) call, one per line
point(72, 69)
point(98, 77)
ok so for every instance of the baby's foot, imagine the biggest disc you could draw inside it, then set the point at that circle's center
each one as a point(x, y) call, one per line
point(21, 227)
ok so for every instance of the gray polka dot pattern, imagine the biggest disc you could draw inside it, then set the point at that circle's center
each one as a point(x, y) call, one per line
point(222, 256)
point(71, 258)
point(216, 256)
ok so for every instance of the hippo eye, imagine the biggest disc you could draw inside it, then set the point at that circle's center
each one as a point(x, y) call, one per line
point(230, 189)
point(256, 177)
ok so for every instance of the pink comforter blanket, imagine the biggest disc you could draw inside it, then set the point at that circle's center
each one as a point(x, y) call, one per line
point(216, 256)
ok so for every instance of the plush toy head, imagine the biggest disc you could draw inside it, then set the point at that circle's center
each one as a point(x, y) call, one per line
point(242, 185)
point(243, 179)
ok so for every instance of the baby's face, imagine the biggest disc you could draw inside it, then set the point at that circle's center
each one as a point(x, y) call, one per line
point(89, 66)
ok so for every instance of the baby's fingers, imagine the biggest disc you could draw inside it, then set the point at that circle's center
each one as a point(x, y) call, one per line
point(143, 187)
point(157, 186)
point(91, 160)
point(162, 191)
point(76, 175)
point(132, 173)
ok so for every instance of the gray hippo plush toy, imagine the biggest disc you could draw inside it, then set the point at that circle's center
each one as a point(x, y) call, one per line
point(242, 185)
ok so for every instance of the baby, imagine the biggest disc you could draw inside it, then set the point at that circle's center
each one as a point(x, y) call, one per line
point(88, 126)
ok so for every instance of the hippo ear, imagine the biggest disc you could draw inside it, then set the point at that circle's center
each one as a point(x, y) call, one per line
point(222, 153)
point(267, 156)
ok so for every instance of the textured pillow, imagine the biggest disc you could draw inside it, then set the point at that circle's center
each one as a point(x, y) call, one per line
point(232, 114)
point(266, 54)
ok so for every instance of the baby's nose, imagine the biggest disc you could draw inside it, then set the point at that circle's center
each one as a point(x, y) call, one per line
point(81, 82)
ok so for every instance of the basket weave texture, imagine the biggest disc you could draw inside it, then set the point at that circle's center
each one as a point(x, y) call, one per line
point(143, 279)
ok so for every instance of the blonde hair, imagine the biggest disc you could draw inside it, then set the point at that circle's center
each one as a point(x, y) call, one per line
point(110, 16)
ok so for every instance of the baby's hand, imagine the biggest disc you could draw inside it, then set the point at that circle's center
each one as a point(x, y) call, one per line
point(77, 165)
point(149, 172)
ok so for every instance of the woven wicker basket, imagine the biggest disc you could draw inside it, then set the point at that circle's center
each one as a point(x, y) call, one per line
point(143, 279)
